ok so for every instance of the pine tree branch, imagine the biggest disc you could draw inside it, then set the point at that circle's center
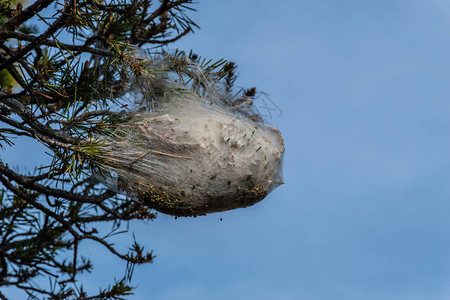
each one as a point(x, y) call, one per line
point(54, 43)
point(63, 100)
point(27, 13)
point(38, 128)
point(26, 182)
point(58, 24)
point(3, 297)
point(165, 42)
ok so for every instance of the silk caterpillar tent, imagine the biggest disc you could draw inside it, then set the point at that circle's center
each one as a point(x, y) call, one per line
point(186, 147)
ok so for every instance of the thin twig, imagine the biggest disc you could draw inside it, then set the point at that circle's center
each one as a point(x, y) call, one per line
point(54, 43)
point(171, 155)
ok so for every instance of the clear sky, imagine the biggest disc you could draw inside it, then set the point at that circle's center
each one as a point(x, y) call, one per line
point(364, 89)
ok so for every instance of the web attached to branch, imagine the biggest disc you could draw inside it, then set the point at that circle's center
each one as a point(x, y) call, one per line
point(185, 154)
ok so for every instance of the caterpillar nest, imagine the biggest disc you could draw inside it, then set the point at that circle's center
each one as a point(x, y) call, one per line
point(187, 155)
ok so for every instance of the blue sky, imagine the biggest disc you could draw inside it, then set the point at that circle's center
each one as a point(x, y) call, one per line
point(364, 214)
